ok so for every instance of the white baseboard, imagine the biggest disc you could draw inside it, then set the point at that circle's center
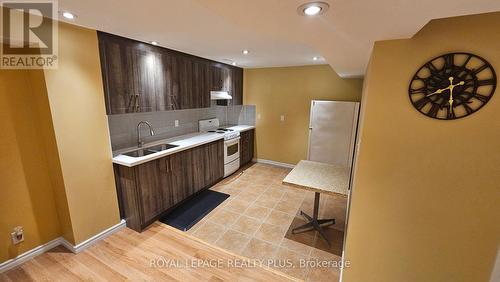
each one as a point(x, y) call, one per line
point(11, 263)
point(274, 163)
point(94, 239)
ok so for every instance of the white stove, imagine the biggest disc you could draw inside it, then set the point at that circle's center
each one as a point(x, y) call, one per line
point(231, 143)
point(213, 126)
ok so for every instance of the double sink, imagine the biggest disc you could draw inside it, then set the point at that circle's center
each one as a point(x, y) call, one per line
point(149, 150)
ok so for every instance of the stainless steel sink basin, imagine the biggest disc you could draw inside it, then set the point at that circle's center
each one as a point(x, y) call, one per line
point(149, 150)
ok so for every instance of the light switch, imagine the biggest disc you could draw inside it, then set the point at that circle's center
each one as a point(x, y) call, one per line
point(282, 117)
point(258, 116)
point(176, 123)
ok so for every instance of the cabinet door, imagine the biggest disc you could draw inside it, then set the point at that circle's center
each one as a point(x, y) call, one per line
point(247, 146)
point(199, 167)
point(227, 82)
point(201, 83)
point(126, 188)
point(220, 77)
point(167, 81)
point(215, 163)
point(251, 144)
point(243, 147)
point(144, 67)
point(117, 74)
point(237, 86)
point(182, 183)
point(166, 182)
point(149, 189)
point(185, 70)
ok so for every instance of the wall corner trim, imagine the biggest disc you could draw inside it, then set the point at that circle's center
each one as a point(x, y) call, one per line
point(11, 263)
point(263, 161)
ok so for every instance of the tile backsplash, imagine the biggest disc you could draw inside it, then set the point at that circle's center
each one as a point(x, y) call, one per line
point(123, 128)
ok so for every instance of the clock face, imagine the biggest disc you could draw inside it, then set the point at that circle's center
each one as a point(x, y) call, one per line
point(452, 86)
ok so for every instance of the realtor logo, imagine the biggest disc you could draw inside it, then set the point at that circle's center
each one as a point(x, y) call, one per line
point(29, 35)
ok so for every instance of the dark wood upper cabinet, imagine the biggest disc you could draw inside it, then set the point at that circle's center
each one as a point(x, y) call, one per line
point(139, 77)
point(144, 68)
point(167, 82)
point(237, 86)
point(117, 72)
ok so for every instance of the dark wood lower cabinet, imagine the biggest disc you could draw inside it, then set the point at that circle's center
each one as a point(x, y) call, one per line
point(150, 190)
point(247, 146)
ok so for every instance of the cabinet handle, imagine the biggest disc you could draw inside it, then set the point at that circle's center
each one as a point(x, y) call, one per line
point(137, 102)
point(130, 100)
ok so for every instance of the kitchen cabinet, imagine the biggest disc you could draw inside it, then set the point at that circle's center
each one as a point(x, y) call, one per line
point(194, 82)
point(128, 70)
point(237, 86)
point(139, 77)
point(148, 191)
point(167, 81)
point(143, 77)
point(117, 71)
point(230, 79)
point(220, 77)
point(247, 146)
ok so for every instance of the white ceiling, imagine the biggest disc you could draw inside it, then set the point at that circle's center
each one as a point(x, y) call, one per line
point(271, 29)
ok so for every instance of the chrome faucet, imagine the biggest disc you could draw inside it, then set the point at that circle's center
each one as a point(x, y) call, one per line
point(151, 131)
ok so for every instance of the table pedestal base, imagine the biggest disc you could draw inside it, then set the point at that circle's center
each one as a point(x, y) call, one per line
point(313, 222)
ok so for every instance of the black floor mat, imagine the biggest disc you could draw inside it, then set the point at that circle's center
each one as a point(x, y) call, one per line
point(189, 213)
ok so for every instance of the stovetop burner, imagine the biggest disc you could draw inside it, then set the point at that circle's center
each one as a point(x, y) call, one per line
point(213, 126)
point(217, 131)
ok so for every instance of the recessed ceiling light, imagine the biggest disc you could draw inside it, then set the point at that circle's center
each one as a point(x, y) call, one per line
point(315, 58)
point(154, 43)
point(311, 11)
point(245, 52)
point(69, 15)
point(233, 63)
point(313, 8)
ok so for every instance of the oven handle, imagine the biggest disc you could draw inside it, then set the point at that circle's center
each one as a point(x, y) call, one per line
point(232, 141)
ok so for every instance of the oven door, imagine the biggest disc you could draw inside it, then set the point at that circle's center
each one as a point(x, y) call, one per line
point(231, 150)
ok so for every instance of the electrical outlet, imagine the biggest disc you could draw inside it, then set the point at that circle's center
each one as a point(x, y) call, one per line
point(176, 123)
point(282, 118)
point(18, 235)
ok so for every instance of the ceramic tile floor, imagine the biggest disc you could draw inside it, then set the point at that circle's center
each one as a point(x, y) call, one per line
point(254, 220)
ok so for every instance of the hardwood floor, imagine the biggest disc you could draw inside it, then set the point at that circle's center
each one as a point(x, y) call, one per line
point(160, 253)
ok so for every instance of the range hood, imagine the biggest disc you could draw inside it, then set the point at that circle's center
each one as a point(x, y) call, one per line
point(220, 95)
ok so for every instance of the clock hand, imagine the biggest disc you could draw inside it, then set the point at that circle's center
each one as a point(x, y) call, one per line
point(450, 101)
point(439, 91)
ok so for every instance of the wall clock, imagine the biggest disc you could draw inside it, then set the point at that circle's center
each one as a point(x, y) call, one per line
point(452, 86)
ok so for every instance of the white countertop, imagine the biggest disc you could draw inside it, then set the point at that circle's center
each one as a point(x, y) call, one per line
point(184, 142)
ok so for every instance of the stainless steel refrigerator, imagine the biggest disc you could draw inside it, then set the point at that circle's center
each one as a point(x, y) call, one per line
point(332, 132)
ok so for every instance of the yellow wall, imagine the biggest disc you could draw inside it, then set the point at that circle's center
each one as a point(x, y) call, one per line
point(76, 99)
point(425, 203)
point(289, 91)
point(26, 194)
point(57, 174)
